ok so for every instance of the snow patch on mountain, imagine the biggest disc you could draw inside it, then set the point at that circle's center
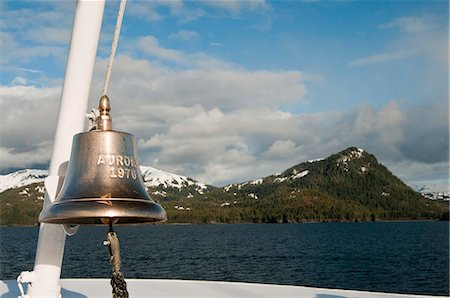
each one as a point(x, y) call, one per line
point(21, 178)
point(280, 180)
point(315, 160)
point(358, 153)
point(257, 181)
point(300, 175)
point(154, 177)
point(228, 187)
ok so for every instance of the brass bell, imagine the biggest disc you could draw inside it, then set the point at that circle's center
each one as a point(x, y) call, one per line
point(103, 183)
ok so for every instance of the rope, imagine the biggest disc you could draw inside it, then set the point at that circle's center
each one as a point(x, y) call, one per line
point(119, 286)
point(112, 54)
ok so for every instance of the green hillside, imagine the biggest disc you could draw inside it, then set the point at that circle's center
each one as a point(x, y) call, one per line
point(348, 186)
point(21, 206)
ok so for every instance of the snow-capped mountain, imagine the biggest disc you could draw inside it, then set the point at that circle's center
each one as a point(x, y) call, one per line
point(152, 178)
point(21, 178)
point(346, 186)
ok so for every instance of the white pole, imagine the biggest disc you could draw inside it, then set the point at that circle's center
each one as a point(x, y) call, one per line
point(71, 119)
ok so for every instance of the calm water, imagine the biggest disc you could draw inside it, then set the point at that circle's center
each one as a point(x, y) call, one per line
point(407, 257)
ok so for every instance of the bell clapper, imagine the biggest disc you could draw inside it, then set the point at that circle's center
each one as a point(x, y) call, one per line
point(119, 286)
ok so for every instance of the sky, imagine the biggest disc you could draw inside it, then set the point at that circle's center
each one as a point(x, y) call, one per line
point(229, 91)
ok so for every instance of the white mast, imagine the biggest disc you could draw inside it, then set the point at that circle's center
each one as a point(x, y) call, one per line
point(71, 118)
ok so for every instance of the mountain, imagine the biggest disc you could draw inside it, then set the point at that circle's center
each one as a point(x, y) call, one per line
point(347, 186)
point(21, 178)
point(153, 178)
point(22, 192)
point(160, 182)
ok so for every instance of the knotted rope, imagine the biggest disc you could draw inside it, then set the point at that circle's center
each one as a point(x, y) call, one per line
point(119, 286)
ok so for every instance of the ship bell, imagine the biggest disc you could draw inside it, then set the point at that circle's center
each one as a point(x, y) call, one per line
point(103, 182)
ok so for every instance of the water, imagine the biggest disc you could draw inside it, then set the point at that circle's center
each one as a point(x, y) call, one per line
point(402, 257)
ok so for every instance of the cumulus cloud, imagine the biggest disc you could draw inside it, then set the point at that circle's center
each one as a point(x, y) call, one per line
point(209, 119)
point(434, 176)
point(222, 125)
point(407, 24)
point(151, 10)
point(8, 44)
point(150, 46)
point(23, 107)
point(383, 57)
point(48, 35)
point(14, 52)
point(184, 35)
point(145, 10)
point(253, 143)
point(185, 12)
point(37, 154)
point(427, 143)
point(282, 149)
point(212, 87)
point(22, 19)
point(20, 81)
point(236, 6)
point(417, 36)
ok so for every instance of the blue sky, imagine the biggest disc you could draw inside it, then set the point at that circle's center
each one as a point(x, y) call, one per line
point(236, 90)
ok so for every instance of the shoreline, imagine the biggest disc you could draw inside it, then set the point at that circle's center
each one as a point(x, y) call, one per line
point(260, 223)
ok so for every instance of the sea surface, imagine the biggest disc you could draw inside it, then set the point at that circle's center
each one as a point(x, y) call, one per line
point(401, 257)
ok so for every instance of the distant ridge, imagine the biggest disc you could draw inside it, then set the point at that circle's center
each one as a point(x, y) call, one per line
point(152, 178)
point(350, 185)
point(21, 178)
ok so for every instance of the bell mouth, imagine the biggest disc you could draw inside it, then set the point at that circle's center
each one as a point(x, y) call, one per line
point(99, 212)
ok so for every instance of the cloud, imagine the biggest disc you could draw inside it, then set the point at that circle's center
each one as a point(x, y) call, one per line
point(419, 174)
point(154, 11)
point(223, 88)
point(384, 57)
point(249, 143)
point(184, 35)
point(282, 150)
point(216, 44)
point(7, 46)
point(20, 81)
point(419, 36)
point(185, 11)
point(48, 35)
point(236, 6)
point(16, 52)
point(23, 107)
point(218, 144)
point(150, 46)
point(23, 19)
point(221, 147)
point(37, 34)
point(37, 154)
point(407, 24)
point(427, 143)
point(222, 125)
point(146, 10)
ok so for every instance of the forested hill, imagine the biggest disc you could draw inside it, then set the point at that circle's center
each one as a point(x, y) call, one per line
point(347, 186)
